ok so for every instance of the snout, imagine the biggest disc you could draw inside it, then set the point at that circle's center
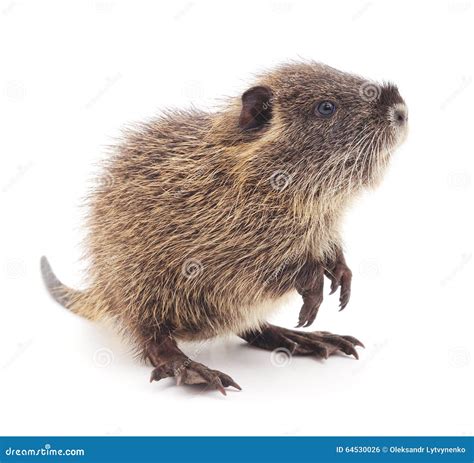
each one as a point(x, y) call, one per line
point(398, 114)
point(394, 105)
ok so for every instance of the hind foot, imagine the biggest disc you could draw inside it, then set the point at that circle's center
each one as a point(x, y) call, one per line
point(170, 361)
point(317, 343)
point(187, 371)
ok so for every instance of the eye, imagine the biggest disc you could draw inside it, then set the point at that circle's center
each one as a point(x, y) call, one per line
point(325, 108)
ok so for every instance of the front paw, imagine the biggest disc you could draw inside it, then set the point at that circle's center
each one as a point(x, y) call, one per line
point(341, 276)
point(312, 300)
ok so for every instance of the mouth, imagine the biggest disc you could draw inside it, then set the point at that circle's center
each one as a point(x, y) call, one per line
point(381, 147)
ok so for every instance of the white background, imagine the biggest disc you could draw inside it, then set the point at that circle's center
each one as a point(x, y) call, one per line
point(73, 73)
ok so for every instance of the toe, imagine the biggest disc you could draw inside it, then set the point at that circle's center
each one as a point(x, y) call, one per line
point(342, 344)
point(353, 340)
point(228, 381)
point(159, 373)
point(217, 383)
point(334, 285)
point(343, 300)
point(309, 345)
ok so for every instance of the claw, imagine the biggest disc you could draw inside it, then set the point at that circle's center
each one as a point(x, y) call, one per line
point(340, 277)
point(219, 386)
point(344, 298)
point(311, 319)
point(311, 304)
point(335, 283)
point(353, 352)
point(326, 353)
point(228, 381)
point(341, 343)
point(234, 385)
point(156, 375)
point(354, 341)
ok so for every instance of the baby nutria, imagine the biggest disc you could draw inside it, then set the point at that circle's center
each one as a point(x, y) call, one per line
point(204, 223)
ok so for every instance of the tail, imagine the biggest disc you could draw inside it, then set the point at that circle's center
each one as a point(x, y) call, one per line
point(69, 298)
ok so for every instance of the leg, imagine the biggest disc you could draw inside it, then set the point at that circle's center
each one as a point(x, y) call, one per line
point(310, 284)
point(169, 361)
point(317, 343)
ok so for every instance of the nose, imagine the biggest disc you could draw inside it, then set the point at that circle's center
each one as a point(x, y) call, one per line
point(391, 100)
point(400, 114)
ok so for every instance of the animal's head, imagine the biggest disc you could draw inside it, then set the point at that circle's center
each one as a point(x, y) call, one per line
point(336, 129)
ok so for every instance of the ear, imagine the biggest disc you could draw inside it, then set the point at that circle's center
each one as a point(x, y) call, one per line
point(256, 108)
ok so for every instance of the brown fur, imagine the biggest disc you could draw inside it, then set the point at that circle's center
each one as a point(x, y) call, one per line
point(198, 222)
